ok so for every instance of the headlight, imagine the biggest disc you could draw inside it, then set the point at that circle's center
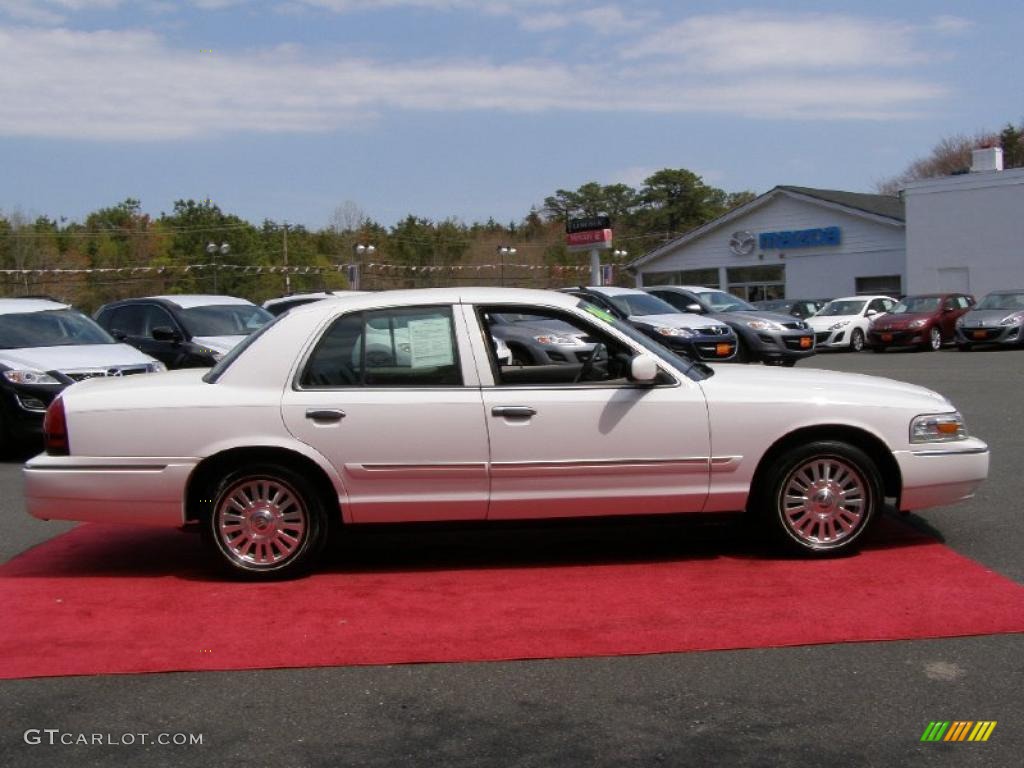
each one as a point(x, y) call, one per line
point(29, 377)
point(157, 367)
point(937, 428)
point(664, 330)
point(764, 325)
point(1011, 320)
point(840, 324)
point(562, 341)
point(918, 324)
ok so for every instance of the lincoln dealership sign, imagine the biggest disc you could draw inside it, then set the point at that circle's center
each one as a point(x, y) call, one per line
point(804, 238)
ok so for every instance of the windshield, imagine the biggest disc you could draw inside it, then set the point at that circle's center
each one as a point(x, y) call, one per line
point(773, 304)
point(720, 301)
point(515, 318)
point(834, 308)
point(681, 362)
point(911, 306)
point(1011, 301)
point(56, 328)
point(225, 319)
point(637, 304)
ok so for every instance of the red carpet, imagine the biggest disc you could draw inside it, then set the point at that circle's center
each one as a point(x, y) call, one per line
point(104, 599)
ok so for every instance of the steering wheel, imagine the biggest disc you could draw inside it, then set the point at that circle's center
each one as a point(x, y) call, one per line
point(597, 355)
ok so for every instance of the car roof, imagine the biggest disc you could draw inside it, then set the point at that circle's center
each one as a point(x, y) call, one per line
point(862, 298)
point(308, 296)
point(187, 301)
point(460, 295)
point(605, 290)
point(12, 306)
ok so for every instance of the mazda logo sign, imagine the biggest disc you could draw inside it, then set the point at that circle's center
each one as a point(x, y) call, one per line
point(742, 243)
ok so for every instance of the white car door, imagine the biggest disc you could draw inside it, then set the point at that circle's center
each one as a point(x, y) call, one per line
point(599, 446)
point(391, 398)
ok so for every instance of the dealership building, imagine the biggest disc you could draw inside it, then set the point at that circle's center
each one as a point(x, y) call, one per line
point(956, 233)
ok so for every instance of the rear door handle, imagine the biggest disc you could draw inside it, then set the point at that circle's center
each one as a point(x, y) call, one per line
point(513, 411)
point(324, 414)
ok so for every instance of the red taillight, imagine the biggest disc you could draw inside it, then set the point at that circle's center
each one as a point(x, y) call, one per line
point(55, 429)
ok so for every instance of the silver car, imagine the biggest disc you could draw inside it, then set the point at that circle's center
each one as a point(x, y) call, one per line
point(995, 320)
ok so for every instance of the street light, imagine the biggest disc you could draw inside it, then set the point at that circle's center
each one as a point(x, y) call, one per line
point(360, 250)
point(620, 254)
point(213, 249)
point(503, 251)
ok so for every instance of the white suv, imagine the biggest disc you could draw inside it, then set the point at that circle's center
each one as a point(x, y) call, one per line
point(44, 347)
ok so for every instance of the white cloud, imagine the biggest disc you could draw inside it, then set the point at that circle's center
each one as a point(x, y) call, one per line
point(50, 11)
point(753, 42)
point(132, 85)
point(951, 25)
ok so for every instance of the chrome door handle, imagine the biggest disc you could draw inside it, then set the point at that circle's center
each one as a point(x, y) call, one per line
point(513, 411)
point(324, 414)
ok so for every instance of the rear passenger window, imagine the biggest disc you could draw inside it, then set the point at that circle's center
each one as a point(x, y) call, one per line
point(407, 347)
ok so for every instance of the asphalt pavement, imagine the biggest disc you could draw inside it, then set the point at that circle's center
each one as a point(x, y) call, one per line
point(848, 704)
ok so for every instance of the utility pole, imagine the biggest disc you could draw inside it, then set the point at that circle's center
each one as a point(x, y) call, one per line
point(287, 276)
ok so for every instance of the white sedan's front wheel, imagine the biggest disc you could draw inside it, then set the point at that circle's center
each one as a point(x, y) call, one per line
point(821, 497)
point(266, 522)
point(856, 340)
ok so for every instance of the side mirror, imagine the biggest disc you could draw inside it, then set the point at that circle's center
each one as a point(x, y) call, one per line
point(643, 369)
point(871, 313)
point(165, 333)
point(695, 308)
point(118, 334)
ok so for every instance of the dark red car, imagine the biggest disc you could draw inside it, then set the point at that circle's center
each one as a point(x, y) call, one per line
point(925, 321)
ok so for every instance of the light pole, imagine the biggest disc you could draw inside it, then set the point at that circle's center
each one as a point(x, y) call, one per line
point(503, 251)
point(355, 275)
point(213, 249)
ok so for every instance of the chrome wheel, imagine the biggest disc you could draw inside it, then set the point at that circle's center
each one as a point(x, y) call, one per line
point(857, 340)
point(260, 523)
point(824, 502)
point(935, 339)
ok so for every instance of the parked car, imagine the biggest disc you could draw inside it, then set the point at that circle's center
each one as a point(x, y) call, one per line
point(843, 323)
point(699, 337)
point(282, 304)
point(537, 340)
point(802, 308)
point(294, 433)
point(187, 331)
point(995, 320)
point(770, 337)
point(45, 346)
point(925, 321)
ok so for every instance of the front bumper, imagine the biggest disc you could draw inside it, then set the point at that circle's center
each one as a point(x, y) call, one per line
point(938, 474)
point(1003, 334)
point(148, 491)
point(833, 339)
point(781, 345)
point(707, 347)
point(22, 407)
point(900, 338)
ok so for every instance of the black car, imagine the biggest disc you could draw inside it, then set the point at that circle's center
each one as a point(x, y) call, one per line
point(773, 338)
point(802, 308)
point(700, 338)
point(193, 331)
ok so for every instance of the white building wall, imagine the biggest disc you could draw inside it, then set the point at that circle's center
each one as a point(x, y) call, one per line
point(966, 233)
point(869, 247)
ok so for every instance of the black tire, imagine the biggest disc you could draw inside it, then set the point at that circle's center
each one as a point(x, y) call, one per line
point(281, 531)
point(856, 340)
point(743, 353)
point(964, 347)
point(823, 524)
point(934, 343)
point(788, 362)
point(878, 350)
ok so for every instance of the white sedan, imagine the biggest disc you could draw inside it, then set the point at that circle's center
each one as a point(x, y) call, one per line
point(299, 430)
point(843, 323)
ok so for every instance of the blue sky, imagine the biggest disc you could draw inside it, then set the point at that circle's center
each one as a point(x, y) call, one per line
point(288, 108)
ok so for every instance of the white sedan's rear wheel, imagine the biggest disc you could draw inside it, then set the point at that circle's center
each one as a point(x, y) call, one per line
point(820, 498)
point(266, 522)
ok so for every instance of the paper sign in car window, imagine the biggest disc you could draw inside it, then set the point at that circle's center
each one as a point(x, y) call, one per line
point(598, 312)
point(430, 342)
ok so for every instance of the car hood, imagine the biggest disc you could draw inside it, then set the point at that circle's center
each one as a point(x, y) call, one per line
point(977, 318)
point(824, 323)
point(677, 320)
point(73, 358)
point(747, 315)
point(901, 320)
point(815, 386)
point(221, 344)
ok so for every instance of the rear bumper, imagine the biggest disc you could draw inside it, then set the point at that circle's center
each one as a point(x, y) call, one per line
point(149, 491)
point(942, 473)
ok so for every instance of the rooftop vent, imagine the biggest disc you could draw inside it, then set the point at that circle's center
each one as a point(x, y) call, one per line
point(987, 159)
